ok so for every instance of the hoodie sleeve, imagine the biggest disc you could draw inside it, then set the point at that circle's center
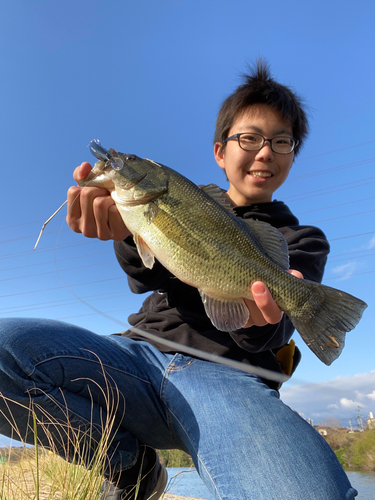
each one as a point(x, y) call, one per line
point(308, 249)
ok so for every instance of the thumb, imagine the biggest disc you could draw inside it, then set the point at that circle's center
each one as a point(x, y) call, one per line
point(258, 288)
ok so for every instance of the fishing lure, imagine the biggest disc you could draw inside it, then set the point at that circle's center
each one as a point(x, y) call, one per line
point(103, 154)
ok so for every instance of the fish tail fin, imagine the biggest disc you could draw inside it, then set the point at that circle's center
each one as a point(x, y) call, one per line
point(325, 318)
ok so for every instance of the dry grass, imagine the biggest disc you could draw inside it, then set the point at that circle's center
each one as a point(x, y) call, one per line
point(50, 478)
point(40, 473)
point(57, 480)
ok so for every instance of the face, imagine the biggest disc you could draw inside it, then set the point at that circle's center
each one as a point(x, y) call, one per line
point(255, 175)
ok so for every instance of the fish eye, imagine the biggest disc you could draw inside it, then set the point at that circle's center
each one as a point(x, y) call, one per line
point(129, 157)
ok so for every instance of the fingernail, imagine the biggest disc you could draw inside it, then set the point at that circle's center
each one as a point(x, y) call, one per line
point(259, 288)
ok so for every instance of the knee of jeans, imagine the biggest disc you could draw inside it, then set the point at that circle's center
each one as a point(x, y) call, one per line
point(11, 344)
point(11, 330)
point(21, 340)
point(14, 332)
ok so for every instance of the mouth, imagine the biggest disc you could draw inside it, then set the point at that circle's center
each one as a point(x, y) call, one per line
point(261, 174)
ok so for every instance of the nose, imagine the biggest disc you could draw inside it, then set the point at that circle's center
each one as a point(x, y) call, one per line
point(265, 153)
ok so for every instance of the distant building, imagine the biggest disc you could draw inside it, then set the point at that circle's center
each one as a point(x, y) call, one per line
point(326, 431)
point(371, 421)
point(323, 430)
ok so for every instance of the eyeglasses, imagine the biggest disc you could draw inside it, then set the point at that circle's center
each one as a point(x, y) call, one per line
point(280, 144)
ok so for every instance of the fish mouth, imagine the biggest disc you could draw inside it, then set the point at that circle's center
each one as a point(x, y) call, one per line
point(262, 174)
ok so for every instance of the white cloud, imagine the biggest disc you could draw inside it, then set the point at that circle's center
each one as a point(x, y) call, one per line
point(346, 270)
point(372, 243)
point(349, 403)
point(340, 398)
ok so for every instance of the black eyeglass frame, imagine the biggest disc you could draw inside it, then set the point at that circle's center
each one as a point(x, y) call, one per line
point(238, 137)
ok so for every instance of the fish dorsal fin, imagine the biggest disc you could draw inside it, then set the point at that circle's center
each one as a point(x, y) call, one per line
point(219, 195)
point(225, 315)
point(147, 256)
point(272, 240)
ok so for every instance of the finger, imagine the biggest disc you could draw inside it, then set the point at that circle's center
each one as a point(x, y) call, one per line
point(82, 171)
point(102, 207)
point(118, 228)
point(73, 208)
point(255, 316)
point(267, 306)
point(88, 197)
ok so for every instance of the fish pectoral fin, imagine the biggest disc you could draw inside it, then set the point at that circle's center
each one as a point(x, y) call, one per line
point(147, 256)
point(225, 315)
point(272, 241)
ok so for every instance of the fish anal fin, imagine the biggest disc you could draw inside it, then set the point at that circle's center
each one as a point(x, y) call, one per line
point(272, 241)
point(147, 256)
point(225, 315)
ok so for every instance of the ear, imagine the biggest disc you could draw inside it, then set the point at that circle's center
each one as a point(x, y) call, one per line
point(219, 154)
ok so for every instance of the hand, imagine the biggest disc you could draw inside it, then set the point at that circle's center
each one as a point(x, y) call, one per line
point(92, 211)
point(263, 309)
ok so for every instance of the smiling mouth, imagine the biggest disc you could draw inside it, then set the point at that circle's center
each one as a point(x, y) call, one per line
point(259, 173)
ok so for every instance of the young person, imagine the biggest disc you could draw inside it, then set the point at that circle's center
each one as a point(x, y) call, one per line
point(245, 442)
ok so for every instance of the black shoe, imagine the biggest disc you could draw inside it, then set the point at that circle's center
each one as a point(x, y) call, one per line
point(153, 479)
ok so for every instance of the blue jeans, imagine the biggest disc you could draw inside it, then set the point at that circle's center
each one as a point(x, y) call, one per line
point(245, 442)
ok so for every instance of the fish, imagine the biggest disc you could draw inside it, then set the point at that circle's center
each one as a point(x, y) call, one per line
point(194, 233)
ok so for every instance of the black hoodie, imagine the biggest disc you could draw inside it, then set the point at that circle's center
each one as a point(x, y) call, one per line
point(175, 311)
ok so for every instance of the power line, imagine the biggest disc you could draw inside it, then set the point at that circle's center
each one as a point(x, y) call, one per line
point(337, 150)
point(343, 216)
point(59, 270)
point(57, 260)
point(346, 258)
point(335, 206)
point(63, 287)
point(332, 169)
point(38, 221)
point(348, 275)
point(52, 303)
point(332, 189)
point(65, 302)
point(34, 236)
point(352, 236)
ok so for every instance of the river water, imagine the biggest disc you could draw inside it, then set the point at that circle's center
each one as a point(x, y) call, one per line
point(186, 483)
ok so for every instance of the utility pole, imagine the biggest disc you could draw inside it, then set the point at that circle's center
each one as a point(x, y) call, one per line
point(359, 419)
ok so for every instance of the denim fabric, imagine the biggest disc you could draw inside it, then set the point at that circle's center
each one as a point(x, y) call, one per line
point(245, 442)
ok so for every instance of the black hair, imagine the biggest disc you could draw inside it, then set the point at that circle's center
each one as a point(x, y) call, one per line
point(261, 88)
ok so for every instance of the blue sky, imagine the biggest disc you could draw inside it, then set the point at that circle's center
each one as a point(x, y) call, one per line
point(148, 78)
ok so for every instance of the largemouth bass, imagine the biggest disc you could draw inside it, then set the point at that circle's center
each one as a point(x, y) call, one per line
point(196, 237)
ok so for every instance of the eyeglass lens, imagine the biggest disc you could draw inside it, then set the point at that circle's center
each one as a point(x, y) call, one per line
point(279, 144)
